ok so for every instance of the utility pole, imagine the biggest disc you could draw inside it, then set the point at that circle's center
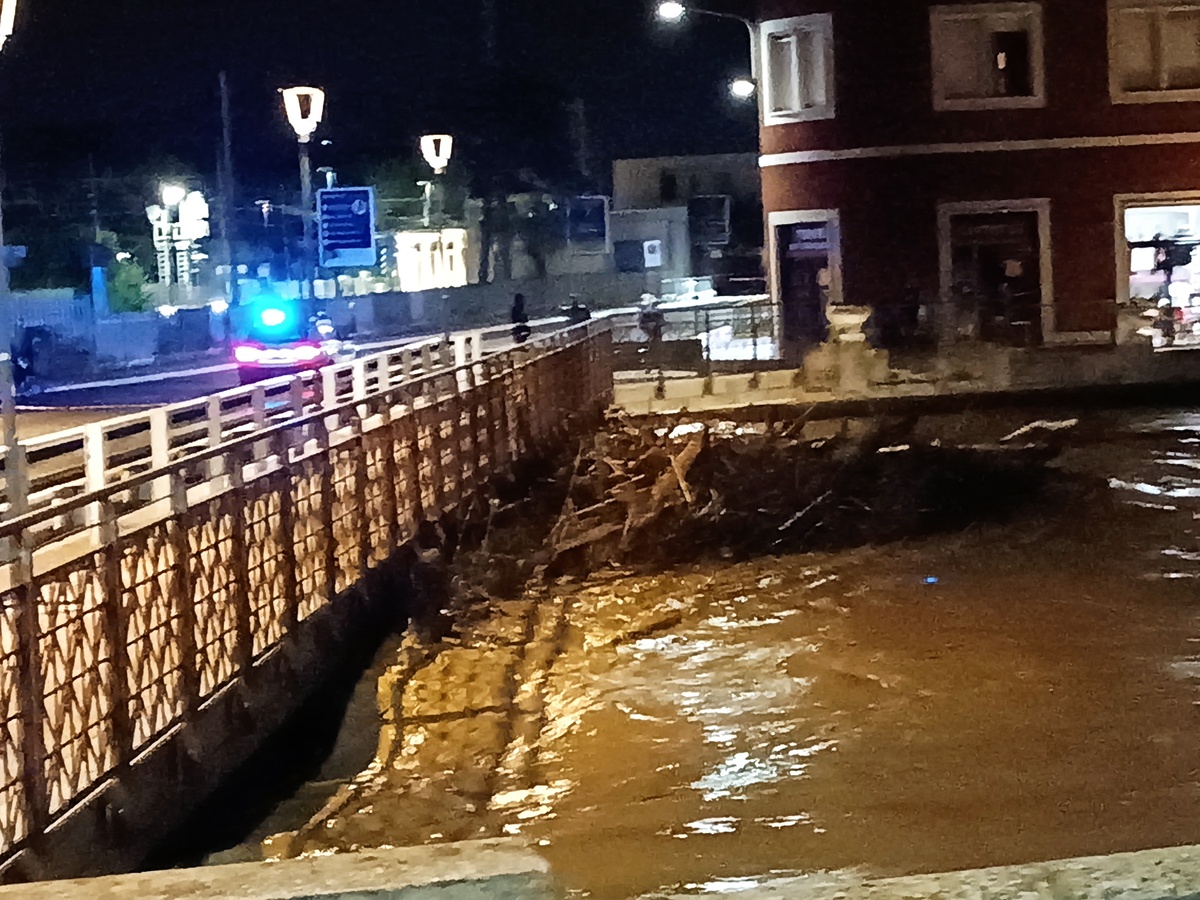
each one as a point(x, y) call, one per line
point(228, 192)
point(490, 34)
point(8, 331)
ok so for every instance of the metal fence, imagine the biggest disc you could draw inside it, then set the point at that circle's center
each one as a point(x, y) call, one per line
point(157, 590)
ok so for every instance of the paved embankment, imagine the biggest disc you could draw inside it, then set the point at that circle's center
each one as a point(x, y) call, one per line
point(480, 870)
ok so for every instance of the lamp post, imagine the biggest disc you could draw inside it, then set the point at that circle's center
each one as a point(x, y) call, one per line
point(305, 108)
point(741, 88)
point(8, 397)
point(437, 150)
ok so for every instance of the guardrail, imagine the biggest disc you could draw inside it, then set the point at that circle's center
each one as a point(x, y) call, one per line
point(44, 471)
point(124, 622)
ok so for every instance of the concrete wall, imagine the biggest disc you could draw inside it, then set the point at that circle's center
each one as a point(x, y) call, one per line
point(637, 182)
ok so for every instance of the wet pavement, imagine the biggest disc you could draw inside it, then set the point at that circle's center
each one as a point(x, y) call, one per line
point(1020, 691)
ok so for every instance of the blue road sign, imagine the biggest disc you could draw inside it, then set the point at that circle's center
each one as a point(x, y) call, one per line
point(346, 225)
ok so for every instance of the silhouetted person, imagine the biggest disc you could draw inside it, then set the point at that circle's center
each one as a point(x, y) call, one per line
point(520, 320)
point(577, 313)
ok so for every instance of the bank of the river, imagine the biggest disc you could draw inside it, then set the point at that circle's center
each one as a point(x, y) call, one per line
point(1019, 691)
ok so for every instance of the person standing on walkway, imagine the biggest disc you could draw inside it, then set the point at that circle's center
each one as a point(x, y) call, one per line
point(520, 320)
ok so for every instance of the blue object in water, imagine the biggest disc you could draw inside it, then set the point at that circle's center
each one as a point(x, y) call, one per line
point(931, 579)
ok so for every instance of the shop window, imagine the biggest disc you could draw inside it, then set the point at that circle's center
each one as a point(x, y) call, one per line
point(987, 56)
point(1154, 51)
point(798, 62)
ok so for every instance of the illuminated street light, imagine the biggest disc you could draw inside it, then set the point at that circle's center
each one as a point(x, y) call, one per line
point(305, 108)
point(173, 195)
point(8, 19)
point(437, 149)
point(670, 11)
point(8, 396)
point(673, 11)
point(743, 88)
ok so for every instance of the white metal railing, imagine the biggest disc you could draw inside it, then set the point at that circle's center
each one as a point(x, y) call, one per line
point(42, 472)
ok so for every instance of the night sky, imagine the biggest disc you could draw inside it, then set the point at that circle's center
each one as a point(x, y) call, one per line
point(132, 81)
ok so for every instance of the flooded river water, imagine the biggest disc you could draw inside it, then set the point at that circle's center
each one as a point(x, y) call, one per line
point(1022, 691)
point(1019, 691)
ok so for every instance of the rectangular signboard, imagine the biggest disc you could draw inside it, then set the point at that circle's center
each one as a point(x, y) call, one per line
point(346, 227)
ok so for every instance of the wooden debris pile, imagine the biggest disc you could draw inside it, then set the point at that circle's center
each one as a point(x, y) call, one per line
point(665, 494)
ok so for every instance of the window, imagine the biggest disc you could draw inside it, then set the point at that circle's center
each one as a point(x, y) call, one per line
point(798, 62)
point(1154, 50)
point(987, 56)
point(668, 187)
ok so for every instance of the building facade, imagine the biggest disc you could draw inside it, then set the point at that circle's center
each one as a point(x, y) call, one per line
point(976, 168)
point(720, 197)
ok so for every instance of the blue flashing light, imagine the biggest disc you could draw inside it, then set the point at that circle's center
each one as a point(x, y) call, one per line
point(272, 317)
point(931, 579)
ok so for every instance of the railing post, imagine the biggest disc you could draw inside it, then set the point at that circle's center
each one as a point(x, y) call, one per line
point(427, 358)
point(160, 451)
point(95, 466)
point(239, 567)
point(329, 396)
point(116, 627)
point(258, 412)
point(410, 437)
point(328, 498)
point(30, 693)
point(16, 479)
point(184, 591)
point(296, 396)
point(287, 529)
point(361, 474)
point(358, 374)
point(215, 434)
point(407, 357)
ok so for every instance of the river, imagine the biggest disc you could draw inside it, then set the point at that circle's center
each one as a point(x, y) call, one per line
point(1021, 691)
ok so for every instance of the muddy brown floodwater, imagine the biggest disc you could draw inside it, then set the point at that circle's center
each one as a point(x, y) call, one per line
point(1019, 692)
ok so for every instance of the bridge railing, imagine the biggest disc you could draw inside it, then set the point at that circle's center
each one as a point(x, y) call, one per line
point(117, 628)
point(46, 471)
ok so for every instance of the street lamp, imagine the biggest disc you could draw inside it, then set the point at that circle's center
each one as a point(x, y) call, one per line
point(670, 11)
point(8, 398)
point(173, 195)
point(437, 150)
point(742, 88)
point(305, 108)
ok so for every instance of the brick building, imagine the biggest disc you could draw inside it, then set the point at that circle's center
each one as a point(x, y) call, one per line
point(976, 166)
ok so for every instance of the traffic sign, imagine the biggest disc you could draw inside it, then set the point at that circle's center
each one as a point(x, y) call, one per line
point(652, 251)
point(346, 218)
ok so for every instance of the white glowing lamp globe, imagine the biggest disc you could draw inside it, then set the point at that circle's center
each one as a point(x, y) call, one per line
point(173, 195)
point(305, 108)
point(437, 149)
point(8, 19)
point(670, 11)
point(743, 88)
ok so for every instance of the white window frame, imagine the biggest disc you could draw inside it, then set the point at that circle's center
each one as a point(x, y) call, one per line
point(1032, 13)
point(820, 24)
point(1117, 93)
point(799, 217)
point(1041, 206)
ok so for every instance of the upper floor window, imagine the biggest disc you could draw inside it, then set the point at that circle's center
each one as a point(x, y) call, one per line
point(797, 56)
point(987, 56)
point(1154, 50)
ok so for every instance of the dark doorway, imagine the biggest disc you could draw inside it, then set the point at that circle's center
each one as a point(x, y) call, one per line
point(997, 274)
point(804, 251)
